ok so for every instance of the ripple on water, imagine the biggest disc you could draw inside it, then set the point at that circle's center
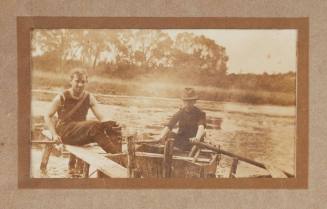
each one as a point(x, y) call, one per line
point(264, 133)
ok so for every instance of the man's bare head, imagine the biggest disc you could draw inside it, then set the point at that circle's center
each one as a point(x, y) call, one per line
point(79, 73)
point(78, 80)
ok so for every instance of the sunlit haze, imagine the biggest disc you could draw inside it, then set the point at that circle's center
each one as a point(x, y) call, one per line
point(253, 51)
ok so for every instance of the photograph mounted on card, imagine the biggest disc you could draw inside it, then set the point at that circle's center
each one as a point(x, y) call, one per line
point(162, 102)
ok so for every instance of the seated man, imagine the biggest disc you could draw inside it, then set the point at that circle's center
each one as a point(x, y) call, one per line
point(72, 128)
point(191, 122)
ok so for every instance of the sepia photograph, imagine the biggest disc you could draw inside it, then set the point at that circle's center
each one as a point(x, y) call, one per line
point(163, 103)
point(189, 103)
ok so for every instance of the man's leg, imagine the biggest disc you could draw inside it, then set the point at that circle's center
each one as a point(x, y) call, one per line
point(84, 132)
point(109, 141)
point(77, 133)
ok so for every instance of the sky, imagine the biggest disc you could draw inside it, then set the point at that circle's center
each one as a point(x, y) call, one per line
point(252, 50)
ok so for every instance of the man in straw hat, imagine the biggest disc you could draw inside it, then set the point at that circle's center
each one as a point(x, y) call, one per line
point(72, 128)
point(191, 122)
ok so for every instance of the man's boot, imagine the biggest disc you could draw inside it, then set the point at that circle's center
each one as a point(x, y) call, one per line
point(108, 135)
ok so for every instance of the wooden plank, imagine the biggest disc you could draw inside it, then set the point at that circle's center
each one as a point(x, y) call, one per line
point(156, 155)
point(100, 162)
point(42, 142)
point(195, 158)
point(47, 134)
point(275, 172)
point(193, 151)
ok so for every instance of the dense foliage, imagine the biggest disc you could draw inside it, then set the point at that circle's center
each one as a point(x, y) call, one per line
point(147, 55)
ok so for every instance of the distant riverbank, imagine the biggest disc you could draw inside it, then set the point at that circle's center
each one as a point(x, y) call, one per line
point(155, 88)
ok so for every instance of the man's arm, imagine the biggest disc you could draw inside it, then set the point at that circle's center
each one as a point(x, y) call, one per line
point(201, 128)
point(164, 133)
point(173, 121)
point(95, 108)
point(53, 108)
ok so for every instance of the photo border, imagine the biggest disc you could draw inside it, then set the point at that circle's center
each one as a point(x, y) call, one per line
point(26, 24)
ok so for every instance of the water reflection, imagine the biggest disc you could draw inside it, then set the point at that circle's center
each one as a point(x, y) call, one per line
point(263, 133)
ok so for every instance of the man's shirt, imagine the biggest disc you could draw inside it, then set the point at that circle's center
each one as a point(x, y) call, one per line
point(188, 122)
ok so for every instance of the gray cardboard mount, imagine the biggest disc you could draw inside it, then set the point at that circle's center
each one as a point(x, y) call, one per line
point(313, 197)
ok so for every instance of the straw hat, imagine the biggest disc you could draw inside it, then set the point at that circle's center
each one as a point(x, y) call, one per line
point(189, 94)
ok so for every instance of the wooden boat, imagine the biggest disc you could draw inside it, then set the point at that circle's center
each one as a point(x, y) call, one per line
point(163, 161)
point(145, 159)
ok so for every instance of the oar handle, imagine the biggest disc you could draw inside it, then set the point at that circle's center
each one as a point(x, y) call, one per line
point(147, 141)
point(224, 152)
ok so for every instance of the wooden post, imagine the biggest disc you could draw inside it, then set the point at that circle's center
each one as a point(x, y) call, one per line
point(45, 156)
point(232, 172)
point(72, 162)
point(131, 156)
point(79, 166)
point(196, 155)
point(100, 174)
point(168, 158)
point(193, 151)
point(86, 169)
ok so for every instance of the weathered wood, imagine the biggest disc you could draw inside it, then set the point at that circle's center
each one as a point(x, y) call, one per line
point(86, 170)
point(214, 158)
point(131, 156)
point(195, 147)
point(207, 151)
point(42, 142)
point(167, 160)
point(46, 151)
point(233, 168)
point(100, 174)
point(149, 165)
point(45, 156)
point(175, 157)
point(100, 162)
point(79, 166)
point(211, 168)
point(47, 134)
point(90, 155)
point(193, 151)
point(71, 162)
point(220, 151)
point(196, 155)
point(275, 172)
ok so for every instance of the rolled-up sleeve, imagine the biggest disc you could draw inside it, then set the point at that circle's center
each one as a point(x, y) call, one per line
point(202, 119)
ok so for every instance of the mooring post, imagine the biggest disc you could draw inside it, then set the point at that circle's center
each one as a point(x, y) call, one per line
point(45, 156)
point(71, 162)
point(86, 169)
point(168, 158)
point(233, 168)
point(131, 155)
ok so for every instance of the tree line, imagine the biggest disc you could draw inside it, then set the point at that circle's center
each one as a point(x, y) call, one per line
point(153, 54)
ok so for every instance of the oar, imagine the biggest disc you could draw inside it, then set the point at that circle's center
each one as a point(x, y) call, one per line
point(220, 151)
point(147, 141)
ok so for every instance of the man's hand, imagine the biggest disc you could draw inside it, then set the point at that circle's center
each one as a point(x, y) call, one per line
point(57, 139)
point(194, 139)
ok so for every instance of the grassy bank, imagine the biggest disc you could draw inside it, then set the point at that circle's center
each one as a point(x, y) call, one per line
point(97, 84)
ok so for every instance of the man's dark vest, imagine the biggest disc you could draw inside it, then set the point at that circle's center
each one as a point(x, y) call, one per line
point(68, 103)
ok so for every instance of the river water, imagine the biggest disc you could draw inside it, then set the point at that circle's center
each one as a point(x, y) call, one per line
point(264, 133)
